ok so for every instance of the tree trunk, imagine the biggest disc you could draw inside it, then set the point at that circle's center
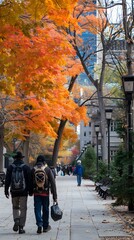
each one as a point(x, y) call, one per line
point(58, 141)
point(128, 37)
point(26, 149)
point(1, 145)
point(102, 126)
point(131, 205)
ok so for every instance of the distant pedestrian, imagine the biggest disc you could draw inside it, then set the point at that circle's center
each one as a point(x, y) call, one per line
point(43, 182)
point(70, 169)
point(73, 169)
point(17, 180)
point(58, 168)
point(79, 172)
point(63, 170)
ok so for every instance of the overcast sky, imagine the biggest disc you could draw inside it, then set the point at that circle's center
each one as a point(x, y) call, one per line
point(115, 13)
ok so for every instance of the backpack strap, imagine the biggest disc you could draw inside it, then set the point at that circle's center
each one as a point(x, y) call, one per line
point(21, 165)
point(45, 166)
point(13, 165)
point(41, 165)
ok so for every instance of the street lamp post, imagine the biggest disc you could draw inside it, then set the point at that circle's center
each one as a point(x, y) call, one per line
point(128, 82)
point(97, 129)
point(129, 89)
point(108, 117)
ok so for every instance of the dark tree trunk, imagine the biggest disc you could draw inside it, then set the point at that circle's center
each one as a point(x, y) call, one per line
point(26, 149)
point(1, 145)
point(58, 141)
point(131, 205)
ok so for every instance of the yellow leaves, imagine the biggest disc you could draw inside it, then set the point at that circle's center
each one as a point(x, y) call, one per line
point(31, 13)
point(60, 11)
point(10, 12)
point(7, 85)
point(36, 9)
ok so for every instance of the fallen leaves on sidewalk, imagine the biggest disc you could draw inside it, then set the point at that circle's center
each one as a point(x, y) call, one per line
point(125, 217)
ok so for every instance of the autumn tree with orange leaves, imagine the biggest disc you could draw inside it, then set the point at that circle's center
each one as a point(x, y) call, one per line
point(34, 70)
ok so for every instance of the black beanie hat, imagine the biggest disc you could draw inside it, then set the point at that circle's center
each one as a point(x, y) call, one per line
point(41, 158)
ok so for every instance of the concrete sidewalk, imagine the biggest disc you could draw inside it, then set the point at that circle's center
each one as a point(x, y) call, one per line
point(85, 215)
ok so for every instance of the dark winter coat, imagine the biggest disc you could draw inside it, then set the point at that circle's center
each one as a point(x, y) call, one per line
point(49, 184)
point(27, 173)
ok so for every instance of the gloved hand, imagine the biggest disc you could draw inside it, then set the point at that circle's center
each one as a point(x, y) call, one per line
point(7, 194)
point(55, 201)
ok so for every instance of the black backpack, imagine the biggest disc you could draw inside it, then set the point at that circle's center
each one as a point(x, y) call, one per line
point(18, 183)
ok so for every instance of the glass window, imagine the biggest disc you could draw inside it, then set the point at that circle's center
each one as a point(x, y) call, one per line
point(89, 124)
point(112, 154)
point(113, 126)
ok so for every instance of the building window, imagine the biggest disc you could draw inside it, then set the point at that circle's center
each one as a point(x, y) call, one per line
point(113, 126)
point(118, 45)
point(112, 154)
point(89, 133)
point(89, 124)
point(84, 134)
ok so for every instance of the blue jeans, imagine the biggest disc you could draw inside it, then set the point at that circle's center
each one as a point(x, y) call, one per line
point(41, 210)
point(79, 180)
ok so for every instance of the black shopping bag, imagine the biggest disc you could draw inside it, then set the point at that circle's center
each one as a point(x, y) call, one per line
point(56, 213)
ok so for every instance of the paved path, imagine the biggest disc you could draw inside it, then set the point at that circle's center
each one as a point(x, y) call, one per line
point(85, 215)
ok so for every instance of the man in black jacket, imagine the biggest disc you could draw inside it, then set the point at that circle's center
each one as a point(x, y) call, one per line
point(41, 192)
point(19, 197)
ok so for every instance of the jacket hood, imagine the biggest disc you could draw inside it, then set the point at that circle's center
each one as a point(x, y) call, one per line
point(40, 159)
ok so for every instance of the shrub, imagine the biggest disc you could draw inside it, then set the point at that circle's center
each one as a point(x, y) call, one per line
point(89, 163)
point(123, 182)
point(102, 171)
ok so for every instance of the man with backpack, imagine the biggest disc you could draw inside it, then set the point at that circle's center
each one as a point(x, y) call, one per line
point(18, 181)
point(43, 183)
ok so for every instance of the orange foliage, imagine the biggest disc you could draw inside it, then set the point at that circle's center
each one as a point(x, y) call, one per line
point(88, 21)
point(35, 61)
point(36, 66)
